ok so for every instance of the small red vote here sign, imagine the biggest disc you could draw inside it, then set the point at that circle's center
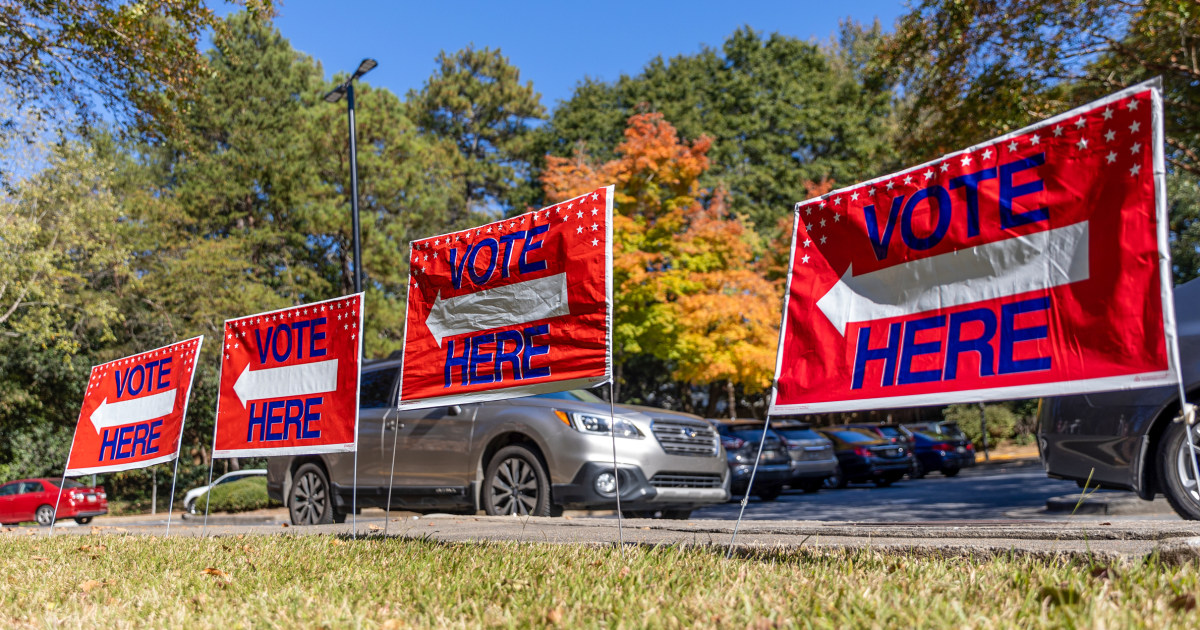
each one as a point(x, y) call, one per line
point(512, 308)
point(133, 410)
point(289, 381)
point(1032, 264)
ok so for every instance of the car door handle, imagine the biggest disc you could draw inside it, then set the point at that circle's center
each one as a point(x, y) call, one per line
point(393, 424)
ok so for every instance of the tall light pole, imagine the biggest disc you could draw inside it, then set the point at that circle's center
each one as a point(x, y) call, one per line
point(334, 96)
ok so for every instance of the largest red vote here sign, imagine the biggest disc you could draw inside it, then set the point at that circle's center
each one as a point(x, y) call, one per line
point(133, 410)
point(289, 381)
point(516, 307)
point(1033, 264)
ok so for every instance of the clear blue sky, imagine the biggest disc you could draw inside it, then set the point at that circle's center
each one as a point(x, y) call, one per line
point(555, 44)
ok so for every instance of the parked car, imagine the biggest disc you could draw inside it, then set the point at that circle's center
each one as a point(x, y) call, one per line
point(740, 438)
point(894, 433)
point(189, 499)
point(535, 455)
point(940, 447)
point(33, 500)
point(1126, 440)
point(864, 456)
point(811, 453)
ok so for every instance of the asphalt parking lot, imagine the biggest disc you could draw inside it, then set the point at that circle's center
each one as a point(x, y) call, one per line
point(1012, 490)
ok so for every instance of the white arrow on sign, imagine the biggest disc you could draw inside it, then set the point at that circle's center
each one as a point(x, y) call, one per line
point(1041, 260)
point(116, 414)
point(288, 380)
point(508, 305)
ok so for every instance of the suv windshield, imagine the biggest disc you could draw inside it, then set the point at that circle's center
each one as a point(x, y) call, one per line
point(578, 395)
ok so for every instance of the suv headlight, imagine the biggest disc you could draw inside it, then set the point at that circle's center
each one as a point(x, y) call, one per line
point(600, 425)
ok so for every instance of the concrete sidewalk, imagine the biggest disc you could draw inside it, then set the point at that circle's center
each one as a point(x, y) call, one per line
point(1171, 541)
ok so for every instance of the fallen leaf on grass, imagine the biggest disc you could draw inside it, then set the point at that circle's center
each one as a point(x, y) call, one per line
point(92, 548)
point(624, 573)
point(375, 528)
point(392, 624)
point(335, 542)
point(41, 558)
point(90, 585)
point(555, 616)
point(219, 574)
point(283, 524)
point(1184, 602)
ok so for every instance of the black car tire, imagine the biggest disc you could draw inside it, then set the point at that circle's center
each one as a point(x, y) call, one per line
point(310, 500)
point(516, 483)
point(837, 480)
point(769, 493)
point(1175, 471)
point(950, 472)
point(44, 515)
point(917, 471)
point(83, 520)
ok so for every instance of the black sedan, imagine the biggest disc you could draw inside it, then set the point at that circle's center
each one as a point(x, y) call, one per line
point(863, 456)
point(1127, 440)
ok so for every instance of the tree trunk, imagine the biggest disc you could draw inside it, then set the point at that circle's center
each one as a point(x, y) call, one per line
point(732, 397)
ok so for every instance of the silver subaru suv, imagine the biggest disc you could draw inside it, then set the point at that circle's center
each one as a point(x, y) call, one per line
point(529, 456)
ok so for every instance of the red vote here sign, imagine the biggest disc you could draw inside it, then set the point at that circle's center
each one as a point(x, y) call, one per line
point(289, 381)
point(1032, 264)
point(133, 410)
point(512, 308)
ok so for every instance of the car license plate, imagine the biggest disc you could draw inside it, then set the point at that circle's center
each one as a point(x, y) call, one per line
point(961, 449)
point(91, 498)
point(770, 456)
point(890, 452)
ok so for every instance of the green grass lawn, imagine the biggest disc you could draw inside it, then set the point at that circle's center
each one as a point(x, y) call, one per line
point(284, 581)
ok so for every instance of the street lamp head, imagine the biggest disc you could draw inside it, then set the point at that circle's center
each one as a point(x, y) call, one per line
point(366, 66)
point(336, 94)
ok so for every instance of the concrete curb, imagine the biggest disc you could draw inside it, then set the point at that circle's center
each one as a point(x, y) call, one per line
point(1106, 504)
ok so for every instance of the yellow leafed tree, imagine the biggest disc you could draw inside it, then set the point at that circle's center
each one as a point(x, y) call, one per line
point(686, 284)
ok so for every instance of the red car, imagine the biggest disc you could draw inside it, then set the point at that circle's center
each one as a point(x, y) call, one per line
point(33, 500)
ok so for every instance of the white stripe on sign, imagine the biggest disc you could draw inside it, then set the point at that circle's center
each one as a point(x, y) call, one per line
point(286, 381)
point(116, 414)
point(1041, 260)
point(508, 305)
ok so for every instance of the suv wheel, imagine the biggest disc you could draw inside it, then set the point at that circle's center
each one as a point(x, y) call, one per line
point(516, 483)
point(1176, 476)
point(310, 501)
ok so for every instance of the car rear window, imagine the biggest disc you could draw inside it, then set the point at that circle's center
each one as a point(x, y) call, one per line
point(748, 432)
point(952, 431)
point(799, 434)
point(891, 431)
point(71, 483)
point(852, 436)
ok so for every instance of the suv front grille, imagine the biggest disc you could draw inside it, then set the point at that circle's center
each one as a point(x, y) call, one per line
point(685, 480)
point(685, 438)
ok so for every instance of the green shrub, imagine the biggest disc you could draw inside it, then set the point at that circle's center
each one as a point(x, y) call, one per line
point(1001, 421)
point(242, 495)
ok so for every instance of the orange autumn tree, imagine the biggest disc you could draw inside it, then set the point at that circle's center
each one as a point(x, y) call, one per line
point(686, 287)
